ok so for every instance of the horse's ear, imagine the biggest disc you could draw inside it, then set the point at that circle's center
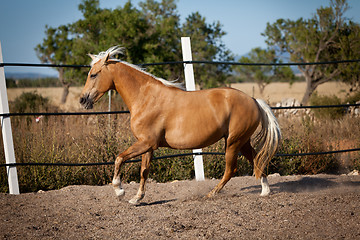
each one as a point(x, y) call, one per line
point(107, 58)
point(92, 56)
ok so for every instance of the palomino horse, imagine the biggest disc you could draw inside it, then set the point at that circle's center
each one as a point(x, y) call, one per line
point(163, 115)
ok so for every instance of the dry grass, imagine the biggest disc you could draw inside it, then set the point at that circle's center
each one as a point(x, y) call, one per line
point(79, 139)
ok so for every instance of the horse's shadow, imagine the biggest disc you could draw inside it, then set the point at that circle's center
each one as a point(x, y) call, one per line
point(304, 184)
point(143, 204)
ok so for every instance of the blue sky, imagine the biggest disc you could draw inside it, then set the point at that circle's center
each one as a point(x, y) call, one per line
point(22, 22)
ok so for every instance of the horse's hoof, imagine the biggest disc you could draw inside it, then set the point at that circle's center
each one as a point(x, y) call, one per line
point(265, 193)
point(134, 201)
point(120, 193)
point(211, 194)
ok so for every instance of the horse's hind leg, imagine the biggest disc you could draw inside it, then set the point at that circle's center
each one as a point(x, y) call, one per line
point(265, 188)
point(230, 167)
point(144, 172)
point(248, 151)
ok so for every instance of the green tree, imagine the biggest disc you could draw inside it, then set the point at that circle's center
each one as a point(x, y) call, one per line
point(263, 75)
point(96, 31)
point(103, 28)
point(151, 34)
point(163, 43)
point(327, 36)
point(56, 49)
point(349, 48)
point(207, 45)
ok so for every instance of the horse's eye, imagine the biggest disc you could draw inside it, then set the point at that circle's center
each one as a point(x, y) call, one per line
point(93, 75)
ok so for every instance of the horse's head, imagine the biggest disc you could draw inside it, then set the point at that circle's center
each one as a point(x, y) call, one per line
point(99, 79)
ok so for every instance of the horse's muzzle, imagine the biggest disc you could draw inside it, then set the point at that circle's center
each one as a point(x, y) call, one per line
point(86, 102)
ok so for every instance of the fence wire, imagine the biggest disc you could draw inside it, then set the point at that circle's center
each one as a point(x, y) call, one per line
point(170, 156)
point(127, 112)
point(182, 62)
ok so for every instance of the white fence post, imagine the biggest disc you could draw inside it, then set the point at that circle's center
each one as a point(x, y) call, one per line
point(7, 134)
point(190, 86)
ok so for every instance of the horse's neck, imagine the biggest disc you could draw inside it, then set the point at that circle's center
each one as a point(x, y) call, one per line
point(131, 83)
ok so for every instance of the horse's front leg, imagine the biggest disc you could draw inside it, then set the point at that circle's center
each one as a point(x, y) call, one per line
point(144, 173)
point(135, 150)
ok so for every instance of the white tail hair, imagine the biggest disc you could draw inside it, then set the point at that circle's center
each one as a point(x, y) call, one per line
point(267, 140)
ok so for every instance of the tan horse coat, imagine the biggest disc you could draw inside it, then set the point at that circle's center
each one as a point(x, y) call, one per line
point(163, 115)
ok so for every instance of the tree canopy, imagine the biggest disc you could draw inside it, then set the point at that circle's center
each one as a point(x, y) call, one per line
point(263, 75)
point(327, 36)
point(149, 34)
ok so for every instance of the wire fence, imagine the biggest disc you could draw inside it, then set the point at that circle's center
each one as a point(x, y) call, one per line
point(184, 62)
point(126, 112)
point(182, 154)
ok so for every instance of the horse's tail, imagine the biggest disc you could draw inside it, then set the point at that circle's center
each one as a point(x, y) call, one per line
point(267, 140)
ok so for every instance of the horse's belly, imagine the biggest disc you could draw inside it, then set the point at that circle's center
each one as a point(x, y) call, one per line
point(194, 134)
point(190, 141)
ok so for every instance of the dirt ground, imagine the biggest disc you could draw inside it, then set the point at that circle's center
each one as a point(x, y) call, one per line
point(299, 207)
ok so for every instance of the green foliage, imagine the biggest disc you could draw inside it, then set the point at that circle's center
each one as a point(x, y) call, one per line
point(332, 113)
point(10, 83)
point(263, 75)
point(30, 102)
point(327, 36)
point(163, 39)
point(353, 98)
point(206, 44)
point(356, 163)
point(151, 34)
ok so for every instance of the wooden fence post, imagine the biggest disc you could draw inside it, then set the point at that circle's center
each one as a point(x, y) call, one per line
point(190, 86)
point(7, 134)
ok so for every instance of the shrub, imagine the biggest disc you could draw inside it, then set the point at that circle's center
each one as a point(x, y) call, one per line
point(353, 98)
point(332, 113)
point(30, 102)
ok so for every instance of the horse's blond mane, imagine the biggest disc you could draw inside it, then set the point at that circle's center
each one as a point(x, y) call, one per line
point(120, 50)
point(111, 51)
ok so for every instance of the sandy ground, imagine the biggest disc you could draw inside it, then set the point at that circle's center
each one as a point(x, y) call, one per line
point(275, 92)
point(300, 207)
